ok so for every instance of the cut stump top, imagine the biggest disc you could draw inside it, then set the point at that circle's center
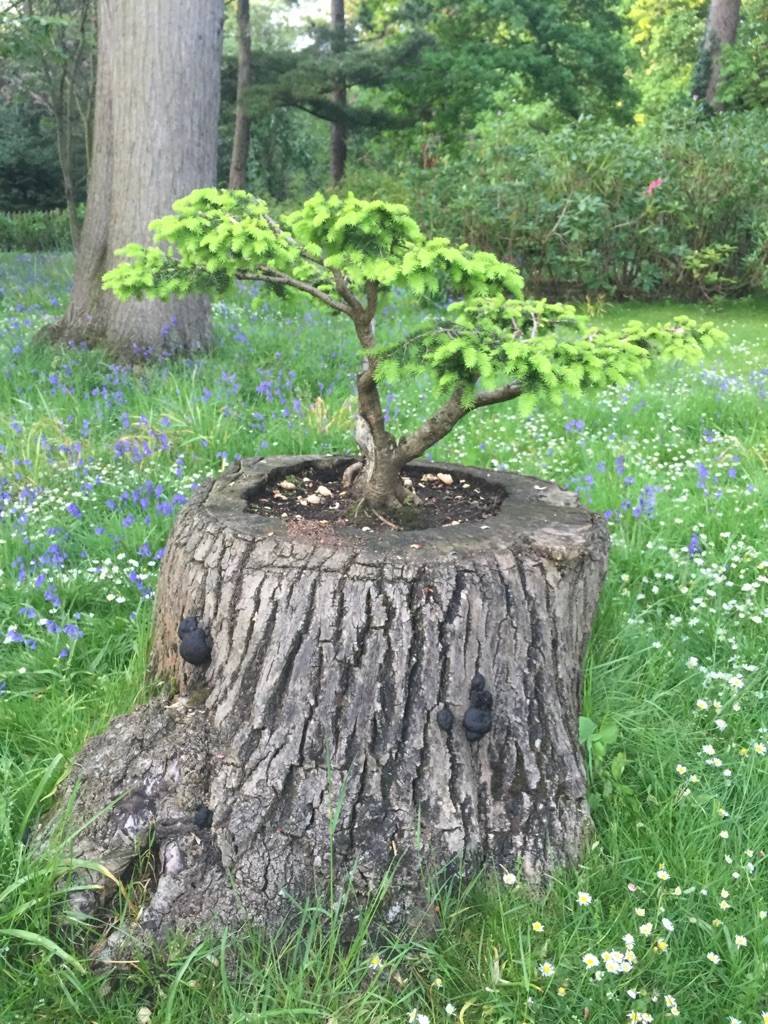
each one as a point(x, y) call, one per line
point(534, 515)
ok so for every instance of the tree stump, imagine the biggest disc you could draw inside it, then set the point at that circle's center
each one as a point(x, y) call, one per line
point(329, 733)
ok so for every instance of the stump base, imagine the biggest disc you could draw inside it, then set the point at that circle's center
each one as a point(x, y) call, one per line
point(340, 722)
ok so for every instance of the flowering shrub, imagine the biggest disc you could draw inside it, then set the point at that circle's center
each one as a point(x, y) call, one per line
point(589, 208)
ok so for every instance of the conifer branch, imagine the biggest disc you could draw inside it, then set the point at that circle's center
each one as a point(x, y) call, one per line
point(269, 276)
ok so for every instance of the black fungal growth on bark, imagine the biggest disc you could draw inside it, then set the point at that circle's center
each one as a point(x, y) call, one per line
point(195, 647)
point(445, 718)
point(203, 817)
point(478, 717)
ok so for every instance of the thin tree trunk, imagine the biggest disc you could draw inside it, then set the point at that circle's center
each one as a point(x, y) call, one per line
point(239, 162)
point(64, 149)
point(87, 23)
point(61, 89)
point(340, 723)
point(85, 110)
point(338, 128)
point(721, 30)
point(155, 120)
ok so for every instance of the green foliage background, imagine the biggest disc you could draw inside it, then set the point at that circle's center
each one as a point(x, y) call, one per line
point(569, 204)
point(529, 129)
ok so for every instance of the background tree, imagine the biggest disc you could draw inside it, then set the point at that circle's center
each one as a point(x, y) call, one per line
point(240, 143)
point(422, 64)
point(154, 138)
point(338, 78)
point(744, 65)
point(339, 94)
point(722, 26)
point(30, 177)
point(572, 53)
point(667, 64)
point(287, 148)
point(666, 38)
point(47, 49)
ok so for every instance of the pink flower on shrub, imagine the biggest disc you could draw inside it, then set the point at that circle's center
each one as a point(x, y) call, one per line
point(653, 185)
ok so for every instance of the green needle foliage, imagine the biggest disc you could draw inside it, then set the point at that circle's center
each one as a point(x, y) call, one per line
point(489, 345)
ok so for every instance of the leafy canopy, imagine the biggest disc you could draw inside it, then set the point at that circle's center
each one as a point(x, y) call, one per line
point(571, 52)
point(490, 344)
point(418, 63)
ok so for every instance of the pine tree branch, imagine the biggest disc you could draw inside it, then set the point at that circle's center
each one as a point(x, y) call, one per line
point(275, 277)
point(433, 429)
point(372, 298)
point(502, 394)
point(447, 416)
point(342, 287)
point(280, 232)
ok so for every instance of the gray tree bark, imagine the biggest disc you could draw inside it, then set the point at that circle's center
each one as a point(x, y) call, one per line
point(155, 121)
point(240, 143)
point(327, 737)
point(721, 30)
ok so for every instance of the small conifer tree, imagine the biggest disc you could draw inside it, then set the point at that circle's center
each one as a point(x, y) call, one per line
point(489, 346)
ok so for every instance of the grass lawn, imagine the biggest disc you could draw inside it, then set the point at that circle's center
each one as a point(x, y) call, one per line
point(666, 917)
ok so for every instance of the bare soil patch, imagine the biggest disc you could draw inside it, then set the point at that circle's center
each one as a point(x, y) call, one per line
point(316, 496)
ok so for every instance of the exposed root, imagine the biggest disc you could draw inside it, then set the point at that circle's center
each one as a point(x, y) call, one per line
point(350, 474)
point(387, 522)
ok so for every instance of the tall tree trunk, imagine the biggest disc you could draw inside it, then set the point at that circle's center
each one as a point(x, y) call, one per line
point(366, 697)
point(239, 162)
point(722, 26)
point(155, 120)
point(338, 128)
